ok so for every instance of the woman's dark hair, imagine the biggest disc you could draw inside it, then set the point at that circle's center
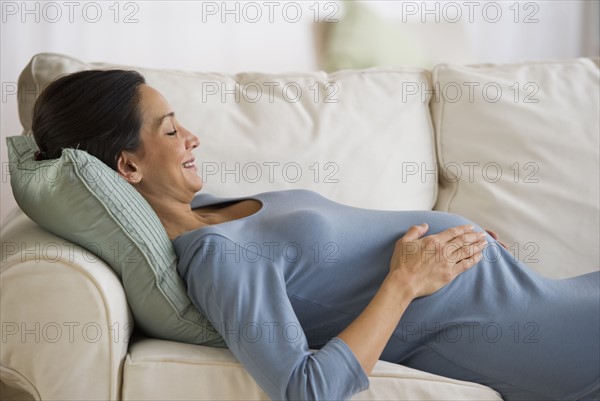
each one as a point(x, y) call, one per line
point(95, 110)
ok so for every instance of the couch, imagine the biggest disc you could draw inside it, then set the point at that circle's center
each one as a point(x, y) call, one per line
point(513, 147)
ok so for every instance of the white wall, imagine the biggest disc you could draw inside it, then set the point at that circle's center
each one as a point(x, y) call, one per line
point(199, 35)
point(167, 34)
point(499, 31)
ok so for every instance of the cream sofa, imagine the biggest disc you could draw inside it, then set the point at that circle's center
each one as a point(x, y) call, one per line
point(513, 147)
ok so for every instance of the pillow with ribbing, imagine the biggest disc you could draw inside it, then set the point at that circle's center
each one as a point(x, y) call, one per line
point(82, 200)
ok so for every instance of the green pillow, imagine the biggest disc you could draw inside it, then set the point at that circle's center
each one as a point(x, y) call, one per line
point(362, 39)
point(82, 200)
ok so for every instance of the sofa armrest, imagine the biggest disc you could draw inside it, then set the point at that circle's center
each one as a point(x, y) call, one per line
point(65, 320)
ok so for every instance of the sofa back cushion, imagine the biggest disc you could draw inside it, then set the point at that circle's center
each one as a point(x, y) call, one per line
point(518, 148)
point(348, 135)
point(353, 136)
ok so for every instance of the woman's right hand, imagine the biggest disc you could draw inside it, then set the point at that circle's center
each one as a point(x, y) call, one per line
point(419, 267)
point(425, 264)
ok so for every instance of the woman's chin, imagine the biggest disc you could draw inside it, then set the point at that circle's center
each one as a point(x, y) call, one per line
point(198, 185)
point(194, 180)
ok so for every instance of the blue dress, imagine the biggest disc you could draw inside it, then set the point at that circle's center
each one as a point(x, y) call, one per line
point(293, 275)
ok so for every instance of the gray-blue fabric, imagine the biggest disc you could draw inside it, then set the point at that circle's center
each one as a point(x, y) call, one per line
point(293, 275)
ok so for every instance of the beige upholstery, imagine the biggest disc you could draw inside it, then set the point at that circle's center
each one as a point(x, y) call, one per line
point(378, 139)
point(526, 143)
point(63, 310)
point(192, 372)
point(260, 132)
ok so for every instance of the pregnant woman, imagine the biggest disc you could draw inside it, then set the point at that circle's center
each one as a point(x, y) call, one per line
point(280, 272)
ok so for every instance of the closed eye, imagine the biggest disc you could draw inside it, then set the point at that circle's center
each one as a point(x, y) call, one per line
point(172, 133)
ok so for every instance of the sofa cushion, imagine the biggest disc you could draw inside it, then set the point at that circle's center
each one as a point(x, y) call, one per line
point(518, 150)
point(84, 201)
point(164, 370)
point(353, 136)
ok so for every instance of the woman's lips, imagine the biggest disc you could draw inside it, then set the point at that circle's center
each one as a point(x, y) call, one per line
point(189, 164)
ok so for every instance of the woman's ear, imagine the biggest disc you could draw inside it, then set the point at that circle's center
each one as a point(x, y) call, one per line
point(128, 169)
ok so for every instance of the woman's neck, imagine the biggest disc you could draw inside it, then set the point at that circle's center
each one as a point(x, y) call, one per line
point(177, 217)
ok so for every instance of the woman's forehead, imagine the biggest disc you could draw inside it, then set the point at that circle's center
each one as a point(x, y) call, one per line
point(153, 105)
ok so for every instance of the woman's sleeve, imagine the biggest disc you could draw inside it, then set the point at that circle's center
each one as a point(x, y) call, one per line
point(244, 296)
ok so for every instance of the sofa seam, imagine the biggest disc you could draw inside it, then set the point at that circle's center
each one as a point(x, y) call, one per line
point(439, 140)
point(186, 362)
point(284, 75)
point(432, 137)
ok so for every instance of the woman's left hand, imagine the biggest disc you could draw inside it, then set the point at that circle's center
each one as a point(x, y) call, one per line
point(495, 236)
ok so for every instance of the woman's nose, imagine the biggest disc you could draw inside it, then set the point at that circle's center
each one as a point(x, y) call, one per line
point(193, 140)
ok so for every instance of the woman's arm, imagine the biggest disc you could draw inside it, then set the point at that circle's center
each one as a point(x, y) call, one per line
point(245, 299)
point(419, 267)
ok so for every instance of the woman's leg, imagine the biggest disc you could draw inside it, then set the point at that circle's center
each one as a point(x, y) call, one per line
point(528, 337)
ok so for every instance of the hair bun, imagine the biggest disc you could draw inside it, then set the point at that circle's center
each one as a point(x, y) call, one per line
point(39, 155)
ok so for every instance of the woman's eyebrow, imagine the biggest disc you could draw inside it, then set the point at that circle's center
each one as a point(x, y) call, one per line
point(159, 120)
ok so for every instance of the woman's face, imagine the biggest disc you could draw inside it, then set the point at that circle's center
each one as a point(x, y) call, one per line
point(165, 164)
